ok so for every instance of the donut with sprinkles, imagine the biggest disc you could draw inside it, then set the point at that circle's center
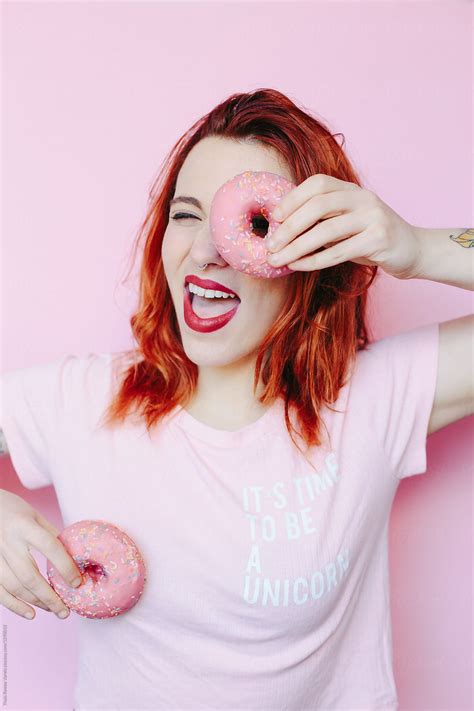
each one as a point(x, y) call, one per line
point(248, 197)
point(112, 567)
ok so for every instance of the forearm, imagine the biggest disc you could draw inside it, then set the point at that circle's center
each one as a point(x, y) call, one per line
point(446, 255)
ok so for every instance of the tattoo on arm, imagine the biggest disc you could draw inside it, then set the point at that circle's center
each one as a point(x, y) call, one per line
point(465, 238)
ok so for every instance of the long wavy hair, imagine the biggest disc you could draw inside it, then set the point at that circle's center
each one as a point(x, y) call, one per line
point(305, 356)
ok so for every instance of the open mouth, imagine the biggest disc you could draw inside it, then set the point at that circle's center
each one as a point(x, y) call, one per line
point(208, 314)
point(206, 307)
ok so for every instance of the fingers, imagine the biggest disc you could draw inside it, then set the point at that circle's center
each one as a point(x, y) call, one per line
point(50, 546)
point(46, 524)
point(315, 210)
point(332, 230)
point(20, 579)
point(21, 582)
point(314, 185)
point(13, 595)
point(17, 606)
point(29, 578)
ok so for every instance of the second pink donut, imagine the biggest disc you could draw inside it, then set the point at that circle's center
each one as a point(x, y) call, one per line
point(112, 567)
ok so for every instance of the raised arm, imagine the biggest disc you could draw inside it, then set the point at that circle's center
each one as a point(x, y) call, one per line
point(3, 444)
point(454, 395)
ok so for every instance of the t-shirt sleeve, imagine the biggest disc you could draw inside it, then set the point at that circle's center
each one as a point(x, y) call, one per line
point(405, 375)
point(32, 405)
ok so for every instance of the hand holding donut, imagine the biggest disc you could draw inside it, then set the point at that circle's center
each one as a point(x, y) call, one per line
point(348, 223)
point(21, 583)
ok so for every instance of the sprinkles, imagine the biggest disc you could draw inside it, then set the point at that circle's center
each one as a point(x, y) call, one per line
point(112, 568)
point(235, 203)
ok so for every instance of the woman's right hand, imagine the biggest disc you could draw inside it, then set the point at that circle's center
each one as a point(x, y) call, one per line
point(22, 528)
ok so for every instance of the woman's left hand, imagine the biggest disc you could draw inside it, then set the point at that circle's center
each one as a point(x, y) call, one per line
point(346, 222)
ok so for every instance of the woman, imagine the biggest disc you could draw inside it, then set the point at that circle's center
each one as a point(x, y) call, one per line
point(254, 465)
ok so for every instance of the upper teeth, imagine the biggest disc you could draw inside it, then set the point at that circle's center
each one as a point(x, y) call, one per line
point(209, 293)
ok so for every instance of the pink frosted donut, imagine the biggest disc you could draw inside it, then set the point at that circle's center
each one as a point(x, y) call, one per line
point(112, 569)
point(246, 196)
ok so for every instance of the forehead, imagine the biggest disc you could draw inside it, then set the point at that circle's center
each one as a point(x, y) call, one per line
point(215, 160)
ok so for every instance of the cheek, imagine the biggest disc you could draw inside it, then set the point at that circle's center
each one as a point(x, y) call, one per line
point(165, 247)
point(270, 306)
point(174, 247)
point(169, 251)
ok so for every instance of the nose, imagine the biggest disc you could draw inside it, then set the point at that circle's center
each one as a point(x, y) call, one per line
point(203, 250)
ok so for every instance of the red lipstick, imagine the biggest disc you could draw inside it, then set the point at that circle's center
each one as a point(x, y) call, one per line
point(207, 284)
point(205, 325)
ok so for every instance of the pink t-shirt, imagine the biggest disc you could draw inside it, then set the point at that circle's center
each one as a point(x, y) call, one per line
point(268, 581)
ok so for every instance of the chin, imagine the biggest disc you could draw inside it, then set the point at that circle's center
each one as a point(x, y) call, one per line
point(207, 356)
point(210, 355)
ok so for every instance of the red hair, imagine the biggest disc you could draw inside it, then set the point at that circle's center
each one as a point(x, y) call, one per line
point(322, 325)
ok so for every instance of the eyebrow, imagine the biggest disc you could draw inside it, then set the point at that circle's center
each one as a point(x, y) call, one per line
point(188, 199)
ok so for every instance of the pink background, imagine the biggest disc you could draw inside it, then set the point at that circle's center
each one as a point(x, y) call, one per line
point(94, 95)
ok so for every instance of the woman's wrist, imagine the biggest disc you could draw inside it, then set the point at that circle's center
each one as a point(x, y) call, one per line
point(446, 255)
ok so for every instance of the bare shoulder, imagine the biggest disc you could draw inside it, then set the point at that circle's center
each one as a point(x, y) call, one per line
point(3, 443)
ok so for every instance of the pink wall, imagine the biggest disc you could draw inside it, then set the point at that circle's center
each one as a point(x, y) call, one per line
point(94, 96)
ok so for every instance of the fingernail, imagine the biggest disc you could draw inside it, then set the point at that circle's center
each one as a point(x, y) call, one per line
point(63, 614)
point(270, 244)
point(276, 214)
point(76, 582)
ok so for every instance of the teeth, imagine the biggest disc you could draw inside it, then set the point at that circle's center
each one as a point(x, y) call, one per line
point(209, 293)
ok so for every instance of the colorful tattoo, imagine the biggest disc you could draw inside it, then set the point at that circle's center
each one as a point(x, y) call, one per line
point(465, 239)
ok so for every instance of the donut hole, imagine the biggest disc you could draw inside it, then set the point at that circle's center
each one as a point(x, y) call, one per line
point(259, 224)
point(94, 571)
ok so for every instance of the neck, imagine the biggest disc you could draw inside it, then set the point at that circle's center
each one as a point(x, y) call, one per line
point(224, 396)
